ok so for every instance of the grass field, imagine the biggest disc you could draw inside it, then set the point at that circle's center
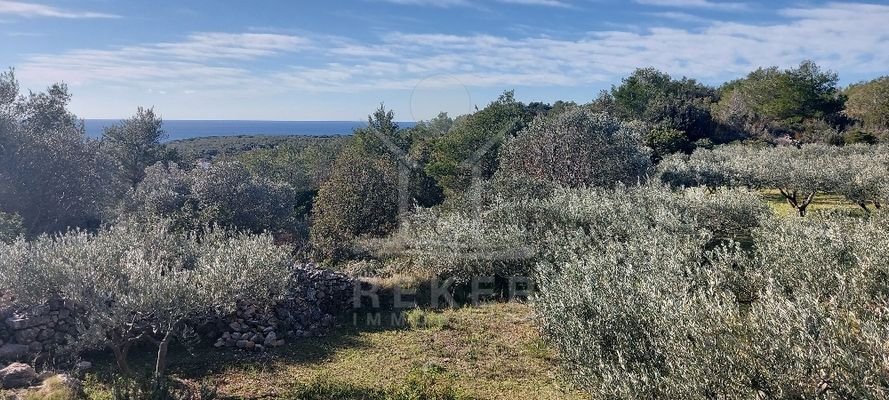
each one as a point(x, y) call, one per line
point(821, 202)
point(489, 352)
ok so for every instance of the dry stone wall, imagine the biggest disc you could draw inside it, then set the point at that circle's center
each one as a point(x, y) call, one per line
point(315, 297)
point(33, 331)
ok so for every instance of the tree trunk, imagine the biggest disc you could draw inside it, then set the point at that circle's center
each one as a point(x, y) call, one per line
point(805, 203)
point(863, 205)
point(120, 356)
point(161, 365)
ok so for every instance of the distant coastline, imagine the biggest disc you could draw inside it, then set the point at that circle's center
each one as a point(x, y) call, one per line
point(186, 129)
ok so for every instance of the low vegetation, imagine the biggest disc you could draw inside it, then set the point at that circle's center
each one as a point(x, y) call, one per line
point(671, 239)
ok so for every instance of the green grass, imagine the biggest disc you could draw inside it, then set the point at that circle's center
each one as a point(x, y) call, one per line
point(489, 352)
point(821, 202)
point(424, 319)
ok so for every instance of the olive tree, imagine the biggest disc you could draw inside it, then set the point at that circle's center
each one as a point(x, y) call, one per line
point(511, 226)
point(10, 227)
point(863, 177)
point(144, 282)
point(858, 172)
point(627, 309)
point(657, 315)
point(224, 193)
point(705, 168)
point(578, 148)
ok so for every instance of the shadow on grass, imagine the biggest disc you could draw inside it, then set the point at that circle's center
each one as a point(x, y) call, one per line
point(204, 360)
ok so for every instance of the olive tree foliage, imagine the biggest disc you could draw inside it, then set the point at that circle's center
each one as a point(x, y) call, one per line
point(223, 193)
point(458, 244)
point(577, 148)
point(51, 174)
point(10, 227)
point(514, 224)
point(658, 315)
point(227, 194)
point(135, 144)
point(144, 282)
point(868, 103)
point(858, 172)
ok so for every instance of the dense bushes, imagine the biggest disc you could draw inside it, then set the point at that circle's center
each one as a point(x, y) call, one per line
point(470, 148)
point(144, 281)
point(360, 198)
point(51, 174)
point(224, 193)
point(679, 106)
point(460, 244)
point(508, 229)
point(577, 148)
point(773, 102)
point(658, 316)
point(868, 102)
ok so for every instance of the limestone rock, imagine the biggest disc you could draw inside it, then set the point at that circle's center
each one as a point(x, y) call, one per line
point(17, 375)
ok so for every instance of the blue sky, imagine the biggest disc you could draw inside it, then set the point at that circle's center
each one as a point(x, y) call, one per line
point(338, 59)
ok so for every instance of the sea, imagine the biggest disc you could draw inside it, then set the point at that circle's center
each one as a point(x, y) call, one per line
point(185, 129)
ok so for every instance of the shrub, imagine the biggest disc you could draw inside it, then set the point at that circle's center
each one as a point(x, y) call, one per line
point(505, 233)
point(470, 148)
point(702, 168)
point(224, 193)
point(144, 281)
point(664, 141)
point(360, 198)
point(621, 309)
point(859, 137)
point(227, 194)
point(577, 148)
point(802, 315)
point(727, 212)
point(438, 243)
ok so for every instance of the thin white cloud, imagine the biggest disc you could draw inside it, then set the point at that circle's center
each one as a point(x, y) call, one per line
point(849, 38)
point(22, 9)
point(205, 59)
point(546, 3)
point(679, 16)
point(699, 4)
